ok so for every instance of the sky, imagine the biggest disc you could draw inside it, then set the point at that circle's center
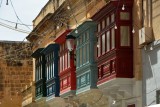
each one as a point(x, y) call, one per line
point(26, 11)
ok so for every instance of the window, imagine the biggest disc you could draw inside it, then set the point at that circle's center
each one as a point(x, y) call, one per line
point(87, 45)
point(103, 24)
point(47, 72)
point(80, 56)
point(99, 46)
point(77, 41)
point(108, 41)
point(124, 16)
point(77, 56)
point(64, 57)
point(39, 72)
point(61, 63)
point(99, 27)
point(82, 52)
point(50, 65)
point(68, 59)
point(38, 69)
point(107, 21)
point(87, 35)
point(84, 37)
point(125, 36)
point(112, 18)
point(103, 43)
point(113, 38)
point(52, 69)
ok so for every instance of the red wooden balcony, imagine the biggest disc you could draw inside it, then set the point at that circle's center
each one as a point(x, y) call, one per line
point(66, 67)
point(115, 41)
point(115, 49)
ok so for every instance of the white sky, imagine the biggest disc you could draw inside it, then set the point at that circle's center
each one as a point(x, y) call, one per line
point(27, 10)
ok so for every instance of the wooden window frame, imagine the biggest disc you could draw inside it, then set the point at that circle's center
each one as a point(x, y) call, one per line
point(107, 28)
point(123, 25)
point(49, 65)
point(38, 69)
point(107, 40)
point(64, 58)
point(83, 45)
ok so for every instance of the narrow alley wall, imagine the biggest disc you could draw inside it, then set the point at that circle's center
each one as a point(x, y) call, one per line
point(15, 72)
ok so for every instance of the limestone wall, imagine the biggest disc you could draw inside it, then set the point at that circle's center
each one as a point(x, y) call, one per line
point(156, 18)
point(15, 72)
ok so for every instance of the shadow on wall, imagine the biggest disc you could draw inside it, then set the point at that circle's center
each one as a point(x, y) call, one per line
point(151, 74)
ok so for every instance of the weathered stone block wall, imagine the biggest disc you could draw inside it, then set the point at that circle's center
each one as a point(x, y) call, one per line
point(15, 71)
point(156, 18)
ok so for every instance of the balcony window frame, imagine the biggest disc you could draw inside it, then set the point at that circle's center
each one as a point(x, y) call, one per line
point(104, 31)
point(64, 57)
point(83, 45)
point(50, 66)
point(38, 68)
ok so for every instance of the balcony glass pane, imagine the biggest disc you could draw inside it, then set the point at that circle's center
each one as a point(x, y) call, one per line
point(60, 63)
point(68, 59)
point(99, 27)
point(99, 46)
point(77, 57)
point(80, 56)
point(108, 41)
point(124, 16)
point(88, 50)
point(84, 54)
point(112, 18)
point(87, 35)
point(125, 35)
point(41, 71)
point(47, 72)
point(103, 24)
point(63, 62)
point(107, 21)
point(52, 69)
point(103, 43)
point(113, 38)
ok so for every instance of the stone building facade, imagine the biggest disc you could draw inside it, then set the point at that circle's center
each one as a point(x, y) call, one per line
point(56, 17)
point(15, 72)
point(151, 53)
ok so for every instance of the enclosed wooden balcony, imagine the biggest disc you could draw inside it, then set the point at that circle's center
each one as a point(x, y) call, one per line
point(51, 70)
point(40, 79)
point(86, 67)
point(115, 47)
point(66, 67)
